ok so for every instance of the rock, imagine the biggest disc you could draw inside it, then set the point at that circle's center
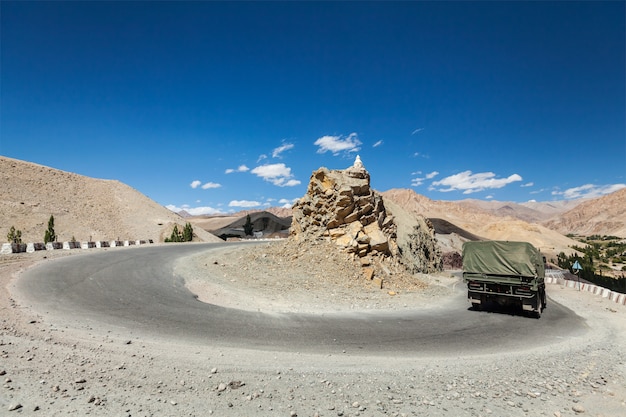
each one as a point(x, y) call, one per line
point(578, 409)
point(368, 273)
point(377, 239)
point(221, 387)
point(340, 206)
point(452, 260)
point(235, 384)
point(14, 407)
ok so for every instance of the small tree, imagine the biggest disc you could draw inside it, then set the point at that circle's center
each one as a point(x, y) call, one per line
point(14, 236)
point(247, 227)
point(188, 233)
point(50, 235)
point(175, 236)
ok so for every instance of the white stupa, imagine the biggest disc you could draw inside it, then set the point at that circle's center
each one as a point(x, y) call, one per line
point(357, 163)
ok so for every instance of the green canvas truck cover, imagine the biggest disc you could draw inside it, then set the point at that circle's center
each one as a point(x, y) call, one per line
point(502, 258)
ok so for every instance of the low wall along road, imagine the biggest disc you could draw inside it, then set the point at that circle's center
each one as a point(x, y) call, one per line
point(8, 248)
point(556, 276)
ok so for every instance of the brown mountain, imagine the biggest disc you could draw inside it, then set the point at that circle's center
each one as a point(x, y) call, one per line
point(83, 208)
point(474, 221)
point(604, 215)
point(531, 212)
point(232, 225)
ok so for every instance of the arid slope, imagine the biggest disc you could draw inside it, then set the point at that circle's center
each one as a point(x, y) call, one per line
point(602, 216)
point(83, 208)
point(481, 223)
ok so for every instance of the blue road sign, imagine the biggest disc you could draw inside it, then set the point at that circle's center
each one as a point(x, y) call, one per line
point(577, 267)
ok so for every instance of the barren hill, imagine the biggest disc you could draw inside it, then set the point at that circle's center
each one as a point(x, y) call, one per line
point(479, 222)
point(83, 208)
point(232, 225)
point(605, 215)
point(531, 212)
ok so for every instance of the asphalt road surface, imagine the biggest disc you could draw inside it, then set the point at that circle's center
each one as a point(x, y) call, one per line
point(136, 288)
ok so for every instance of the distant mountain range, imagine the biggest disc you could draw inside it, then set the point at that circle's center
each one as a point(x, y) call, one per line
point(87, 208)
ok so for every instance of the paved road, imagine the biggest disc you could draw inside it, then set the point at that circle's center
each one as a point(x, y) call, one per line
point(136, 288)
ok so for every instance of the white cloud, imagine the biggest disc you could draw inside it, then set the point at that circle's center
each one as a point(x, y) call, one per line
point(589, 191)
point(377, 144)
point(278, 174)
point(194, 211)
point(286, 203)
point(243, 203)
point(417, 130)
point(337, 144)
point(211, 185)
point(195, 184)
point(270, 171)
point(471, 183)
point(291, 183)
point(284, 147)
point(416, 182)
point(261, 157)
point(240, 168)
point(528, 184)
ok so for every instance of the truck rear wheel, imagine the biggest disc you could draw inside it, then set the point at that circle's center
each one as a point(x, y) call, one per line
point(539, 306)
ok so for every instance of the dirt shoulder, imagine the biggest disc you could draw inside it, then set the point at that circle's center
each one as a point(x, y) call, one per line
point(279, 277)
point(48, 369)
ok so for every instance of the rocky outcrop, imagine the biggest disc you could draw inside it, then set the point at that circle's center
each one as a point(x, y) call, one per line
point(340, 206)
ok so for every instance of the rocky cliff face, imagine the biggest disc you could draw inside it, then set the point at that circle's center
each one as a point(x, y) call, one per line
point(341, 207)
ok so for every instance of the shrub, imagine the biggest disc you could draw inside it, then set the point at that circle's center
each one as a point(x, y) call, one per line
point(177, 236)
point(14, 236)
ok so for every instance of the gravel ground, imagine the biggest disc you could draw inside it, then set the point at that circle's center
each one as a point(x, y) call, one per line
point(50, 370)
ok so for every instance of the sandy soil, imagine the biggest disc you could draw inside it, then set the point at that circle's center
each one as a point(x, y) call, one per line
point(51, 370)
point(294, 279)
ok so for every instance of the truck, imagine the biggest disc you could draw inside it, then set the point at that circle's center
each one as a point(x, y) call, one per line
point(506, 273)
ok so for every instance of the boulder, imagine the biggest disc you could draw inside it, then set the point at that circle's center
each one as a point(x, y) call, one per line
point(341, 206)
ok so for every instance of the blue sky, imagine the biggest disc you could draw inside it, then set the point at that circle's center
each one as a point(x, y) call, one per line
point(223, 106)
